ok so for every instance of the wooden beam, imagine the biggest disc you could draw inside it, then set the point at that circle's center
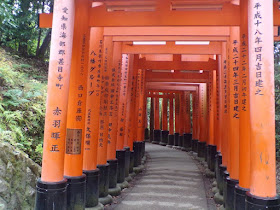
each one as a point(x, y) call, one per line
point(159, 96)
point(99, 17)
point(178, 65)
point(169, 38)
point(229, 15)
point(213, 48)
point(172, 88)
point(167, 31)
point(177, 77)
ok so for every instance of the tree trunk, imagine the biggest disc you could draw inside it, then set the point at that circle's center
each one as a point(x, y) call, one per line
point(41, 52)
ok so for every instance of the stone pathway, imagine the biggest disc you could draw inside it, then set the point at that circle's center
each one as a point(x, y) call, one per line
point(171, 181)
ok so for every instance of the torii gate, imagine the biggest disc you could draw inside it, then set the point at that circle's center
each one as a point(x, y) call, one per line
point(65, 119)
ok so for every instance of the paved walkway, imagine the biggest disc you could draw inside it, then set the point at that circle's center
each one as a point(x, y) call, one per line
point(171, 181)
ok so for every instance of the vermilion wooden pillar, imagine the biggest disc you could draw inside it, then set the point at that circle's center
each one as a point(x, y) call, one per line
point(202, 120)
point(141, 114)
point(195, 134)
point(139, 143)
point(212, 102)
point(187, 121)
point(156, 114)
point(222, 161)
point(73, 160)
point(131, 116)
point(157, 130)
point(187, 113)
point(152, 120)
point(114, 56)
point(244, 112)
point(177, 119)
point(104, 122)
point(164, 113)
point(234, 67)
point(262, 107)
point(212, 147)
point(56, 110)
point(122, 153)
point(182, 112)
point(224, 111)
point(165, 132)
point(122, 101)
point(128, 141)
point(92, 117)
point(171, 121)
point(122, 142)
point(218, 118)
point(220, 115)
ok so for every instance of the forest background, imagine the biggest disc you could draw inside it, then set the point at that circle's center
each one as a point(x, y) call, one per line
point(24, 53)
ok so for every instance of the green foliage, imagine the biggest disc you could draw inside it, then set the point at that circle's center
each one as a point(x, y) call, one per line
point(19, 29)
point(277, 97)
point(22, 107)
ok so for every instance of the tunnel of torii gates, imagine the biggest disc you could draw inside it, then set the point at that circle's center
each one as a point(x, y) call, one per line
point(213, 72)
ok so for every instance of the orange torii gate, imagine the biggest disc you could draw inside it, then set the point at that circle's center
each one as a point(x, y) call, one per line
point(163, 133)
point(243, 44)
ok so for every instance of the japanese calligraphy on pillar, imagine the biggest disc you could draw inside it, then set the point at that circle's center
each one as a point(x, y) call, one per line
point(225, 86)
point(244, 72)
point(112, 103)
point(218, 96)
point(62, 71)
point(103, 135)
point(93, 91)
point(210, 89)
point(123, 94)
point(140, 79)
point(62, 46)
point(202, 102)
point(258, 36)
point(235, 78)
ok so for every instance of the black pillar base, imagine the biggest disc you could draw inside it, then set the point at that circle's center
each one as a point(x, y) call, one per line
point(240, 197)
point(137, 153)
point(151, 135)
point(131, 163)
point(187, 143)
point(157, 137)
point(229, 204)
point(164, 138)
point(147, 136)
point(181, 141)
point(51, 194)
point(113, 168)
point(201, 149)
point(121, 166)
point(225, 176)
point(127, 160)
point(103, 180)
point(92, 189)
point(218, 162)
point(171, 138)
point(220, 183)
point(259, 203)
point(176, 139)
point(142, 149)
point(211, 159)
point(76, 192)
point(194, 145)
point(207, 154)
